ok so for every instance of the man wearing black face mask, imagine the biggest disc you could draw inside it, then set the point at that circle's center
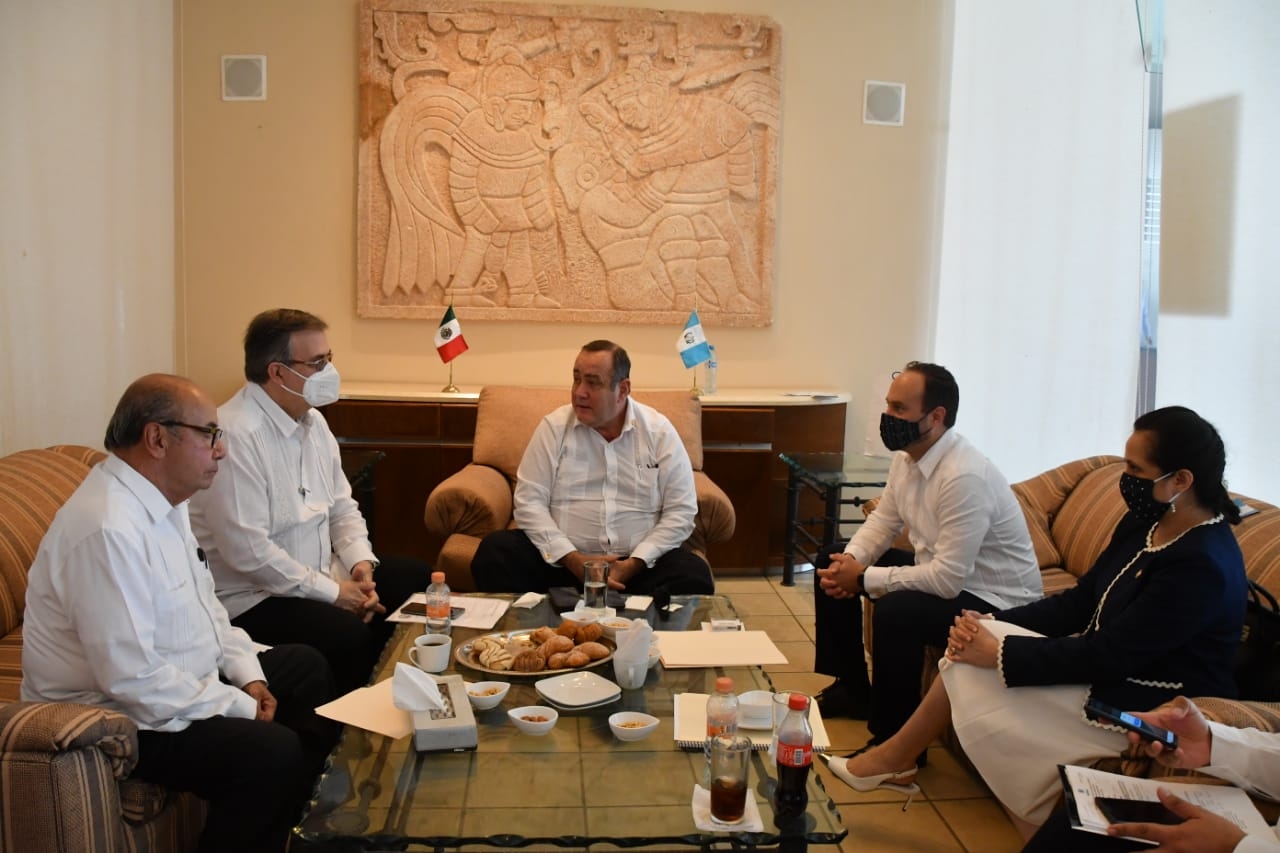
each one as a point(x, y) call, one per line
point(285, 540)
point(972, 551)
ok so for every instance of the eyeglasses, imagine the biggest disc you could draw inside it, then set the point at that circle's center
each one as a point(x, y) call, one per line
point(317, 363)
point(215, 433)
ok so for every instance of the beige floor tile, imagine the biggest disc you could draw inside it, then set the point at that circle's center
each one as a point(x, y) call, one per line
point(781, 629)
point(762, 603)
point(738, 585)
point(877, 827)
point(810, 683)
point(846, 735)
point(981, 825)
point(946, 779)
point(799, 657)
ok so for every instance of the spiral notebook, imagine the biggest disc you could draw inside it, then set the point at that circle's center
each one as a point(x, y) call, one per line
point(691, 725)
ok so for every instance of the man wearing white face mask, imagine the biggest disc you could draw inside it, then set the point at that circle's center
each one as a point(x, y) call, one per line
point(286, 542)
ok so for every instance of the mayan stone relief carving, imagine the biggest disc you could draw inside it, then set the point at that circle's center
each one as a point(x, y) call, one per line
point(566, 164)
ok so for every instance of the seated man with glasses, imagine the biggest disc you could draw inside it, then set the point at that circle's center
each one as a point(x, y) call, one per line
point(286, 541)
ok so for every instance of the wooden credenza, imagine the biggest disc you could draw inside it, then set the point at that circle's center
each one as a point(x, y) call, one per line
point(427, 435)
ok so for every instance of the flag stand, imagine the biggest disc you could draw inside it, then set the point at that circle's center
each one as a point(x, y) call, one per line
point(451, 388)
point(695, 390)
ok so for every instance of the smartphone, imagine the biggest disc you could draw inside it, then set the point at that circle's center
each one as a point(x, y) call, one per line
point(1164, 737)
point(417, 608)
point(1117, 810)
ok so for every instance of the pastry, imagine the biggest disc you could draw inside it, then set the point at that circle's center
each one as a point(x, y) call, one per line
point(594, 651)
point(557, 643)
point(557, 660)
point(481, 643)
point(576, 659)
point(496, 658)
point(588, 633)
point(541, 635)
point(568, 629)
point(529, 661)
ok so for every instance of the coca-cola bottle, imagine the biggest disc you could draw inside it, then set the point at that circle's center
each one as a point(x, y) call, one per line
point(795, 757)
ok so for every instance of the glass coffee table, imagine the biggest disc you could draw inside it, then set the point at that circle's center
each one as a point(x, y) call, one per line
point(577, 787)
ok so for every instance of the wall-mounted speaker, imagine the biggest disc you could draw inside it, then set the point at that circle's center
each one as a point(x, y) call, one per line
point(244, 78)
point(884, 103)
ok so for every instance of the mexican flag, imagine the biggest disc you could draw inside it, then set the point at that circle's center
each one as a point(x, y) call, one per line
point(449, 340)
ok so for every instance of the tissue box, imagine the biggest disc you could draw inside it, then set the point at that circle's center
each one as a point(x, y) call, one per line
point(454, 728)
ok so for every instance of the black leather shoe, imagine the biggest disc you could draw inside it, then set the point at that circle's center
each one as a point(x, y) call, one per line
point(839, 701)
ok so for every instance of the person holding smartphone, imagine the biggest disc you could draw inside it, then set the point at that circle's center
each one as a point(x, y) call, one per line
point(1247, 757)
point(1158, 614)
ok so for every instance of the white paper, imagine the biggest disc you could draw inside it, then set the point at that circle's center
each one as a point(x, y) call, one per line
point(529, 599)
point(717, 648)
point(370, 708)
point(480, 613)
point(414, 690)
point(637, 602)
point(691, 725)
point(1088, 784)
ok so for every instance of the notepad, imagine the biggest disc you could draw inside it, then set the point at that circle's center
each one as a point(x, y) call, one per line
point(684, 649)
point(691, 725)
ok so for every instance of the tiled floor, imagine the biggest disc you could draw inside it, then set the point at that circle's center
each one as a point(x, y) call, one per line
point(955, 812)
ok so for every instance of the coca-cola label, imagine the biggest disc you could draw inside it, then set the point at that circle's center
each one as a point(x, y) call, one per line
point(795, 755)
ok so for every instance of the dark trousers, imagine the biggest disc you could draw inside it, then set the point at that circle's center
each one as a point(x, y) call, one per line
point(903, 624)
point(507, 561)
point(349, 645)
point(1057, 836)
point(255, 776)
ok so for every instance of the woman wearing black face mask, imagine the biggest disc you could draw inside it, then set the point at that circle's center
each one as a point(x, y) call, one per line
point(1158, 615)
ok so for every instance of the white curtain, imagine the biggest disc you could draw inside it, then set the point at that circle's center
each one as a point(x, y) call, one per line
point(1037, 313)
point(86, 212)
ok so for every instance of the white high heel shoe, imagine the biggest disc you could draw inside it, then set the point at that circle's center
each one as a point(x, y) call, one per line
point(903, 781)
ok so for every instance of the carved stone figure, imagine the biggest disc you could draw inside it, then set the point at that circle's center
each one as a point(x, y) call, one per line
point(581, 164)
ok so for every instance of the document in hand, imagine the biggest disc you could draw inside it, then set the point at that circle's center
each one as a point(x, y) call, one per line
point(1084, 785)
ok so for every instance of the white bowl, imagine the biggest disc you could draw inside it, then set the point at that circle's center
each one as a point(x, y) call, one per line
point(613, 625)
point(756, 709)
point(580, 617)
point(632, 725)
point(534, 727)
point(487, 694)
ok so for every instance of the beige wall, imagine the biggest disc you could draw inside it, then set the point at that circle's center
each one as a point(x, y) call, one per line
point(267, 206)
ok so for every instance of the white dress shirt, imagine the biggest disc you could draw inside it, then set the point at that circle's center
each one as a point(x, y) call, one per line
point(967, 529)
point(1250, 759)
point(279, 519)
point(633, 496)
point(121, 613)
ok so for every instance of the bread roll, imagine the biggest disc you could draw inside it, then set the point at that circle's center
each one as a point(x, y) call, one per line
point(595, 651)
point(497, 659)
point(557, 643)
point(529, 661)
point(576, 659)
point(588, 633)
point(541, 635)
point(568, 629)
point(558, 660)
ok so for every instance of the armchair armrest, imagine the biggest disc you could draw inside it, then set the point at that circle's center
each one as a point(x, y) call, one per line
point(716, 517)
point(51, 728)
point(476, 501)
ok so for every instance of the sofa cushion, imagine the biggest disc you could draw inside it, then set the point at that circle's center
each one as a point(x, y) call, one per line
point(33, 486)
point(1084, 524)
point(1259, 537)
point(507, 415)
point(1042, 498)
point(11, 666)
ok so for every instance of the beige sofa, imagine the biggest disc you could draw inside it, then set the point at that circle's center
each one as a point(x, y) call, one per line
point(64, 767)
point(478, 499)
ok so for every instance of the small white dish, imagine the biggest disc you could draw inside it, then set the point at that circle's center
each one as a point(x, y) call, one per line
point(755, 709)
point(581, 617)
point(534, 720)
point(577, 689)
point(613, 624)
point(632, 725)
point(487, 694)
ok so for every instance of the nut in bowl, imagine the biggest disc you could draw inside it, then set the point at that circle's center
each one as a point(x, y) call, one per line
point(487, 694)
point(534, 719)
point(632, 725)
point(613, 625)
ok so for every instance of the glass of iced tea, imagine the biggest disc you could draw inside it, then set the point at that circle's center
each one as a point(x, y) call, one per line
point(730, 761)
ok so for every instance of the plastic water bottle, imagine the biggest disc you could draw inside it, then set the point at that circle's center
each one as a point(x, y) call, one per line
point(709, 387)
point(438, 605)
point(795, 757)
point(722, 718)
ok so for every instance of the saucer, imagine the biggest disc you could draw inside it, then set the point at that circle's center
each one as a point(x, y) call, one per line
point(578, 690)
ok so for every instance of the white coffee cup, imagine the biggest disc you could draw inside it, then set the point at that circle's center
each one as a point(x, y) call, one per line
point(430, 652)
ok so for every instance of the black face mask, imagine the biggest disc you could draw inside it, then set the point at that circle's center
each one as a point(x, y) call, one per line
point(1137, 494)
point(898, 433)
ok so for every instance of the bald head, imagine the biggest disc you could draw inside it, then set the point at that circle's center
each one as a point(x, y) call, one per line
point(155, 398)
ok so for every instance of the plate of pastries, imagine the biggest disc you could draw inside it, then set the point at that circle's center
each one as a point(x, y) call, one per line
point(537, 651)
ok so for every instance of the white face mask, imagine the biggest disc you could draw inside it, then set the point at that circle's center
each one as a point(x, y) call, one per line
point(320, 388)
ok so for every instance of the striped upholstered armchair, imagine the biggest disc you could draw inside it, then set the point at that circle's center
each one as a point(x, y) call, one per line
point(64, 767)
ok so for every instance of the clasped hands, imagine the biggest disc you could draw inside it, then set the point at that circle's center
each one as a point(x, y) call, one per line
point(359, 594)
point(621, 569)
point(970, 642)
point(840, 578)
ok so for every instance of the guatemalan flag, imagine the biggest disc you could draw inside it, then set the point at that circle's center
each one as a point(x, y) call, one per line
point(692, 345)
point(449, 340)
